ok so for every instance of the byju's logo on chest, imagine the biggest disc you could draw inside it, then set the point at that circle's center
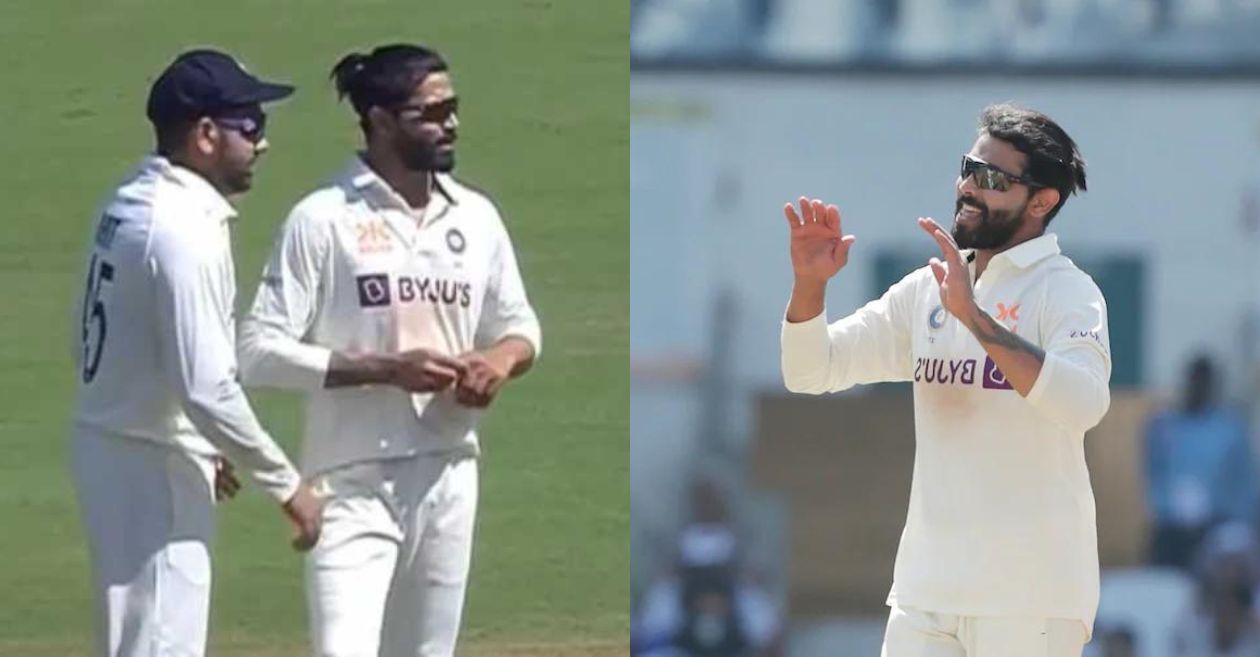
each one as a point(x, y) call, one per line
point(994, 379)
point(373, 290)
point(950, 371)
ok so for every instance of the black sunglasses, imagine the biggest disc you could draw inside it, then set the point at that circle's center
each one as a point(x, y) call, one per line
point(253, 129)
point(435, 113)
point(991, 177)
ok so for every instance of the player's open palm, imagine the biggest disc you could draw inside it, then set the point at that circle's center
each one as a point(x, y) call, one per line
point(819, 248)
point(950, 271)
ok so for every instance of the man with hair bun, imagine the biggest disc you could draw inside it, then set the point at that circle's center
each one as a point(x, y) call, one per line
point(393, 299)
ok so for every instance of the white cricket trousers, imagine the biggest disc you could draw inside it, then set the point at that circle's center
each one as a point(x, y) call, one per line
point(389, 572)
point(915, 633)
point(148, 511)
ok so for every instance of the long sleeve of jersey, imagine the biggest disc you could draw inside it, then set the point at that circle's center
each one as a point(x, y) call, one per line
point(272, 350)
point(1072, 387)
point(869, 346)
point(507, 311)
point(195, 339)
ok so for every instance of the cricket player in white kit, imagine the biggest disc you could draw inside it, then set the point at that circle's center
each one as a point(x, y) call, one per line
point(1006, 342)
point(393, 299)
point(158, 402)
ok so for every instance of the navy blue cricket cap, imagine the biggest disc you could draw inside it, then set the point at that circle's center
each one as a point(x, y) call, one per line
point(208, 83)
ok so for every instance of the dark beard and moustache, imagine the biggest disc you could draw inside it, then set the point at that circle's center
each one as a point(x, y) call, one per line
point(425, 156)
point(994, 230)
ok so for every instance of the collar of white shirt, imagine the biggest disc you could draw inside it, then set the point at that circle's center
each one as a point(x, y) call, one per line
point(1025, 255)
point(367, 182)
point(194, 185)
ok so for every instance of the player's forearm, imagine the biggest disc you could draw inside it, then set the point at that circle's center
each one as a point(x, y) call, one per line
point(513, 354)
point(808, 300)
point(1072, 388)
point(225, 418)
point(350, 369)
point(1019, 359)
point(270, 357)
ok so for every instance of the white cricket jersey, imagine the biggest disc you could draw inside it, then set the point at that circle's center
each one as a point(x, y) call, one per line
point(1001, 518)
point(157, 356)
point(356, 269)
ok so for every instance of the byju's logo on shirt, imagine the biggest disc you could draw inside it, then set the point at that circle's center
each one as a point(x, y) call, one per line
point(946, 371)
point(994, 379)
point(959, 372)
point(373, 290)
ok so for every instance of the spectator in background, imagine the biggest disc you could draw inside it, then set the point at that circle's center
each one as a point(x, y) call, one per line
point(707, 607)
point(1115, 641)
point(1199, 469)
point(1223, 623)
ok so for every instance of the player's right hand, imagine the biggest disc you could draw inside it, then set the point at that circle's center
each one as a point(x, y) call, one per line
point(425, 370)
point(306, 510)
point(226, 485)
point(818, 247)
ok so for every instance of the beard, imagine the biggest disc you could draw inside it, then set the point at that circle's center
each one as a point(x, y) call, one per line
point(994, 228)
point(231, 178)
point(239, 182)
point(422, 155)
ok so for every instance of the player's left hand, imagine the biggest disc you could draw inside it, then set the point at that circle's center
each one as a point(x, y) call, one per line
point(957, 295)
point(226, 484)
point(481, 381)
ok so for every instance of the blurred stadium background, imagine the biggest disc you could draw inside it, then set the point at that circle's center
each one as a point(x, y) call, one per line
point(544, 88)
point(738, 106)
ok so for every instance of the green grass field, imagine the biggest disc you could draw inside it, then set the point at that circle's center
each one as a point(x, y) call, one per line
point(544, 86)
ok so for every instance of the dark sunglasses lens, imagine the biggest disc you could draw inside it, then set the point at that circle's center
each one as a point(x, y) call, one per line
point(252, 126)
point(440, 113)
point(259, 129)
point(995, 180)
point(986, 177)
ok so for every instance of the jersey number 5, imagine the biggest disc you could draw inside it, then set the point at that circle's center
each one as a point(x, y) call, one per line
point(99, 273)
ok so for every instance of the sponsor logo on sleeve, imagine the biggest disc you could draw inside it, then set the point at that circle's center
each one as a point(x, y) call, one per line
point(1093, 335)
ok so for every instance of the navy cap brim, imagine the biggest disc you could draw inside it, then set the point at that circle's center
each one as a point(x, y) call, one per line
point(264, 92)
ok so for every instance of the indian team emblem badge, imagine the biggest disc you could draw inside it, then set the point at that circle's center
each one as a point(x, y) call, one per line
point(936, 318)
point(455, 241)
